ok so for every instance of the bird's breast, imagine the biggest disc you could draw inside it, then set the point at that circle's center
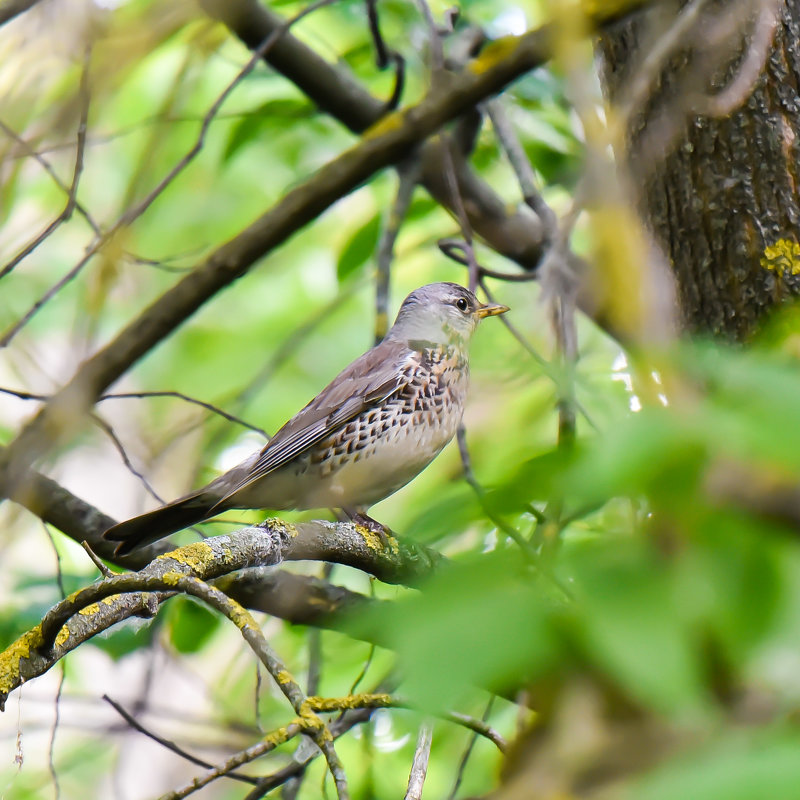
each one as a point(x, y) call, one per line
point(387, 445)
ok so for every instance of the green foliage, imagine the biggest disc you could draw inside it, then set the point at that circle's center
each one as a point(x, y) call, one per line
point(359, 248)
point(189, 624)
point(630, 577)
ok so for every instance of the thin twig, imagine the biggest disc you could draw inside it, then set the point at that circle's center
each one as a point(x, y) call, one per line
point(509, 141)
point(104, 570)
point(140, 395)
point(434, 40)
point(80, 146)
point(120, 448)
point(31, 152)
point(181, 396)
point(337, 728)
point(419, 767)
point(408, 175)
point(292, 787)
point(128, 217)
point(457, 204)
point(462, 764)
point(51, 750)
point(381, 51)
point(170, 745)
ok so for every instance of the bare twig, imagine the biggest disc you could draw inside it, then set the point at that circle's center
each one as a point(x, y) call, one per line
point(462, 764)
point(408, 175)
point(170, 745)
point(381, 51)
point(337, 728)
point(457, 204)
point(515, 153)
point(80, 145)
point(419, 768)
point(434, 40)
point(252, 634)
point(104, 570)
point(120, 448)
point(128, 217)
point(140, 395)
point(51, 750)
point(188, 399)
point(29, 151)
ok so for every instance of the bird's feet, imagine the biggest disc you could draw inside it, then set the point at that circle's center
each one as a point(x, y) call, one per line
point(365, 521)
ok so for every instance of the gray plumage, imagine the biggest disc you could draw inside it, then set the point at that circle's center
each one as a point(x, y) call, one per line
point(377, 425)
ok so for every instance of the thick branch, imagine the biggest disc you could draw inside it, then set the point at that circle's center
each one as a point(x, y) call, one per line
point(300, 599)
point(515, 234)
point(95, 608)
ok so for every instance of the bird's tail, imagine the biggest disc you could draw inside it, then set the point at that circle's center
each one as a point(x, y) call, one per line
point(147, 528)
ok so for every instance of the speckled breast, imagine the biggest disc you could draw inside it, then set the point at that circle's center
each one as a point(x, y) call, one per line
point(386, 446)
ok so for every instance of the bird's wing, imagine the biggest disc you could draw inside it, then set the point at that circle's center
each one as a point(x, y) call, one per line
point(370, 379)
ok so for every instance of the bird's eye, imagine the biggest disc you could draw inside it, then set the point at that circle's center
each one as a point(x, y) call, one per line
point(462, 304)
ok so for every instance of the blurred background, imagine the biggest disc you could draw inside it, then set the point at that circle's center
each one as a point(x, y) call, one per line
point(622, 605)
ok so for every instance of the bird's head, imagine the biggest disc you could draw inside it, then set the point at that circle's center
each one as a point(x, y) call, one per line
point(441, 313)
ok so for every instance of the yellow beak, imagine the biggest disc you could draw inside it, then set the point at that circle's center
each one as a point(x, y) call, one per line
point(490, 310)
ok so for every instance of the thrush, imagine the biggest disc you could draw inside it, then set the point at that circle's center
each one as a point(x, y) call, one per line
point(376, 425)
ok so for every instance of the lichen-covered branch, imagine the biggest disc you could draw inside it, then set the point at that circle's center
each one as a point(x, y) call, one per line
point(95, 608)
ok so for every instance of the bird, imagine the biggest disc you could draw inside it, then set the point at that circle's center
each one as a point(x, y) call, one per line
point(369, 432)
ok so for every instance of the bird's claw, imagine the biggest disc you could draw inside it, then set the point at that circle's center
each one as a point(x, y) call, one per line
point(372, 525)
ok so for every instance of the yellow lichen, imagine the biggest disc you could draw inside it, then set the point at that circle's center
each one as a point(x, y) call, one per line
point(62, 636)
point(172, 578)
point(198, 556)
point(284, 676)
point(278, 524)
point(377, 542)
point(783, 256)
point(279, 736)
point(495, 52)
point(385, 124)
point(10, 660)
point(87, 611)
point(241, 617)
point(365, 700)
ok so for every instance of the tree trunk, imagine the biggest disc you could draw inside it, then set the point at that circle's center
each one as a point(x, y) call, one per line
point(719, 193)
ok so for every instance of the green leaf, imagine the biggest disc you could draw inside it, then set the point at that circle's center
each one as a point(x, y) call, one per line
point(269, 116)
point(190, 624)
point(359, 248)
point(482, 623)
point(741, 766)
point(628, 623)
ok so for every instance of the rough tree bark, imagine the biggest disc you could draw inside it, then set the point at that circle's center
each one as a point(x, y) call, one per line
point(718, 190)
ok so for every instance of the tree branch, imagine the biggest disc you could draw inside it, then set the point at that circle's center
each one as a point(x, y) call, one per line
point(389, 141)
point(95, 608)
point(517, 235)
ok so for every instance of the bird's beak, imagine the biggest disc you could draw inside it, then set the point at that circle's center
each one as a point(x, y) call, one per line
point(490, 310)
